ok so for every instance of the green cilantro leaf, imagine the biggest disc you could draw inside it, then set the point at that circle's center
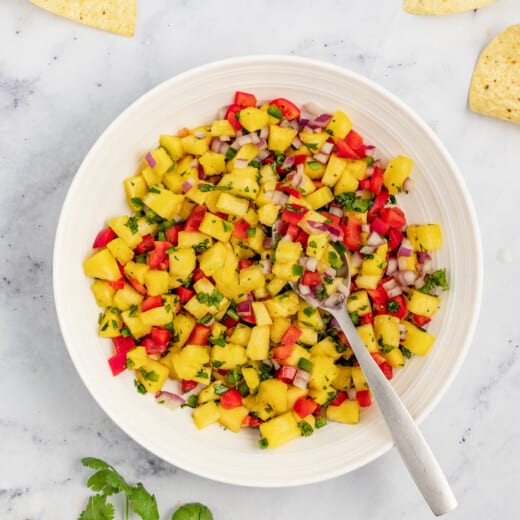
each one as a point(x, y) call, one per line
point(97, 509)
point(436, 279)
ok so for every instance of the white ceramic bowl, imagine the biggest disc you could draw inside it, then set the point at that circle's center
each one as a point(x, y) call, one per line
point(192, 98)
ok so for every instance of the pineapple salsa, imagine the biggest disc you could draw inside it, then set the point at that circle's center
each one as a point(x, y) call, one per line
point(195, 282)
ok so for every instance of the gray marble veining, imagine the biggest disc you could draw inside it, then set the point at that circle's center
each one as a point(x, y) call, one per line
point(61, 84)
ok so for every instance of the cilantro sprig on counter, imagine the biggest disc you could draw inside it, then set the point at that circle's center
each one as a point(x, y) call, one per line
point(106, 481)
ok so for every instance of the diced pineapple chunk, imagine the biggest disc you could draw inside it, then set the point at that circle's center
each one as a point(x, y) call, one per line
point(126, 228)
point(110, 323)
point(152, 375)
point(173, 145)
point(347, 412)
point(283, 305)
point(165, 203)
point(253, 119)
point(258, 344)
point(126, 297)
point(334, 169)
point(320, 197)
point(103, 292)
point(396, 173)
point(213, 163)
point(261, 315)
point(232, 205)
point(280, 138)
point(387, 332)
point(156, 281)
point(367, 334)
point(421, 303)
point(206, 414)
point(425, 237)
point(102, 265)
point(358, 378)
point(233, 418)
point(417, 341)
point(280, 430)
point(339, 125)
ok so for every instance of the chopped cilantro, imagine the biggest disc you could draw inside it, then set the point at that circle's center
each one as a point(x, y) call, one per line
point(132, 225)
point(436, 279)
point(220, 389)
point(297, 270)
point(263, 443)
point(251, 232)
point(392, 306)
point(137, 202)
point(309, 311)
point(320, 422)
point(351, 202)
point(275, 112)
point(369, 160)
point(305, 428)
point(230, 154)
point(134, 309)
point(211, 187)
point(139, 387)
point(311, 146)
point(153, 189)
point(354, 316)
point(406, 353)
point(201, 246)
point(334, 260)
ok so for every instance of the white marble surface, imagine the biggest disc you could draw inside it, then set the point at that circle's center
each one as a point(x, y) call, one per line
point(60, 86)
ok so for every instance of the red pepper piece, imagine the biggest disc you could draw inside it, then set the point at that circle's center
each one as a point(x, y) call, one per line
point(311, 278)
point(244, 99)
point(241, 227)
point(123, 345)
point(231, 399)
point(401, 311)
point(394, 217)
point(352, 233)
point(340, 398)
point(291, 335)
point(117, 284)
point(282, 352)
point(158, 258)
point(184, 294)
point(305, 406)
point(172, 233)
point(103, 238)
point(231, 116)
point(140, 288)
point(145, 245)
point(194, 220)
point(363, 397)
point(117, 363)
point(288, 109)
point(376, 181)
point(286, 374)
point(151, 303)
point(199, 335)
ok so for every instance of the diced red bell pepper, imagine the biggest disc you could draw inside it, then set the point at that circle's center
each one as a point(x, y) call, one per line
point(343, 339)
point(363, 398)
point(103, 238)
point(394, 217)
point(199, 335)
point(401, 311)
point(187, 385)
point(305, 406)
point(378, 295)
point(340, 398)
point(194, 220)
point(228, 321)
point(123, 344)
point(421, 320)
point(244, 263)
point(160, 336)
point(364, 184)
point(302, 238)
point(355, 141)
point(387, 370)
point(291, 335)
point(286, 374)
point(300, 159)
point(379, 203)
point(296, 216)
point(151, 303)
point(395, 238)
point(378, 358)
point(290, 190)
point(352, 233)
point(292, 231)
point(249, 318)
point(117, 363)
point(231, 399)
point(334, 220)
point(139, 287)
point(282, 352)
point(289, 110)
point(250, 421)
point(366, 318)
point(318, 184)
point(185, 294)
point(241, 227)
point(244, 99)
point(379, 226)
point(231, 116)
point(198, 274)
point(344, 150)
point(376, 181)
point(117, 284)
point(146, 244)
point(311, 278)
point(158, 258)
point(172, 233)
point(151, 347)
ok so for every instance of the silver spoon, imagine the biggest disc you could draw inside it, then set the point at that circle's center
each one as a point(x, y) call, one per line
point(412, 446)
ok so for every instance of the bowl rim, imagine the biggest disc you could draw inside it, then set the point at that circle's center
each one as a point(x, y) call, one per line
point(279, 59)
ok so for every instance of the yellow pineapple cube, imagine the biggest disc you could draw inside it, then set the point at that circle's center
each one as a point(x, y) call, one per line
point(320, 197)
point(216, 227)
point(253, 119)
point(173, 145)
point(102, 265)
point(103, 293)
point(280, 430)
point(126, 228)
point(339, 125)
point(206, 414)
point(417, 341)
point(425, 237)
point(258, 344)
point(232, 418)
point(347, 412)
point(280, 138)
point(397, 171)
point(421, 303)
point(165, 203)
point(232, 205)
point(213, 163)
point(156, 281)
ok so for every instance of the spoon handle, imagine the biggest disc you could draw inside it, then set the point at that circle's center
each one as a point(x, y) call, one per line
point(412, 446)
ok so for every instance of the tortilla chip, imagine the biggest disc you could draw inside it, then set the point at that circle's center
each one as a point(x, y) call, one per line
point(117, 16)
point(443, 6)
point(495, 86)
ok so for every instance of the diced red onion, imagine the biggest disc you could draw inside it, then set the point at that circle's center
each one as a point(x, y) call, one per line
point(389, 284)
point(375, 239)
point(321, 158)
point(391, 266)
point(419, 282)
point(365, 228)
point(300, 169)
point(254, 137)
point(293, 124)
point(215, 145)
point(301, 380)
point(297, 142)
point(235, 144)
point(288, 163)
point(335, 324)
point(241, 162)
point(244, 308)
point(406, 248)
point(335, 210)
point(427, 267)
point(268, 243)
point(194, 163)
point(343, 289)
point(187, 185)
point(395, 291)
point(367, 250)
point(319, 226)
point(408, 185)
point(422, 256)
point(351, 392)
point(304, 289)
point(312, 300)
point(169, 399)
point(224, 138)
point(276, 365)
point(356, 260)
point(224, 147)
point(334, 300)
point(266, 266)
point(370, 147)
point(261, 144)
point(311, 264)
point(199, 134)
point(263, 154)
point(245, 139)
point(280, 198)
point(327, 148)
point(297, 180)
point(150, 160)
point(330, 272)
point(405, 278)
point(264, 132)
